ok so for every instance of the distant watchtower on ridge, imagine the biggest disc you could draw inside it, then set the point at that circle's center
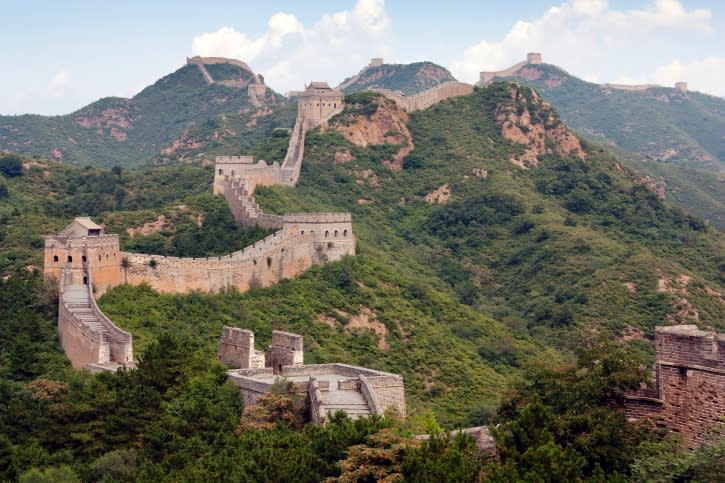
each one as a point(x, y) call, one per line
point(318, 102)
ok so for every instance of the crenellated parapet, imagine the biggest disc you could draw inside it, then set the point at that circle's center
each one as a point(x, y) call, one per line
point(89, 260)
point(428, 97)
point(688, 396)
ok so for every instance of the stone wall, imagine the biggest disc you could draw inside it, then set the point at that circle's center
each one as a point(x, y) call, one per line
point(533, 58)
point(286, 350)
point(99, 254)
point(236, 347)
point(264, 263)
point(689, 393)
point(84, 344)
point(429, 97)
point(389, 392)
point(317, 103)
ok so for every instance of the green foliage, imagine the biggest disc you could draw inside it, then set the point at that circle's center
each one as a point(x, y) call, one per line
point(675, 136)
point(28, 339)
point(11, 165)
point(566, 422)
point(406, 78)
point(116, 131)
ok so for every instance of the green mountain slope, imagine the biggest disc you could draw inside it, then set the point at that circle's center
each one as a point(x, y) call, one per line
point(406, 78)
point(671, 133)
point(116, 131)
point(660, 123)
point(470, 267)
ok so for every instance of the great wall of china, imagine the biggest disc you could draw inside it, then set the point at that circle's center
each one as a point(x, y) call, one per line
point(255, 87)
point(534, 58)
point(688, 396)
point(87, 262)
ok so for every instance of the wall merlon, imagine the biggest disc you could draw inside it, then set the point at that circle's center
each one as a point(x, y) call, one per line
point(689, 394)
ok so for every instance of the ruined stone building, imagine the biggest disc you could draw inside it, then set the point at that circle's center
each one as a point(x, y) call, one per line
point(328, 388)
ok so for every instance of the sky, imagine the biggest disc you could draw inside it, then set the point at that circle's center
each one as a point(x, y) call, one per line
point(59, 56)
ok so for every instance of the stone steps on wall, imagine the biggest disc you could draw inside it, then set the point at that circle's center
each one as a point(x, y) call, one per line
point(77, 298)
point(352, 402)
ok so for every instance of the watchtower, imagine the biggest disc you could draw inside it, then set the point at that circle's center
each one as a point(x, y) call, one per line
point(231, 166)
point(80, 247)
point(533, 58)
point(286, 350)
point(318, 102)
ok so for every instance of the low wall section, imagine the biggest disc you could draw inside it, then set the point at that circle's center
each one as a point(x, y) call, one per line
point(264, 263)
point(689, 393)
point(429, 97)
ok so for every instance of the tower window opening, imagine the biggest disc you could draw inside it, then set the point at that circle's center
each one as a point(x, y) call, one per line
point(55, 258)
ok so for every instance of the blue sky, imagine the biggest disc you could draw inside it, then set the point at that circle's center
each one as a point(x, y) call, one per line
point(60, 55)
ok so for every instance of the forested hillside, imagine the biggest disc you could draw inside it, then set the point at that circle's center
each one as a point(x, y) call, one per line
point(125, 132)
point(406, 78)
point(499, 246)
point(674, 136)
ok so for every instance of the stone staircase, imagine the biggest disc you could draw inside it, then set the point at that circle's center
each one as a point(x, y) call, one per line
point(352, 402)
point(77, 298)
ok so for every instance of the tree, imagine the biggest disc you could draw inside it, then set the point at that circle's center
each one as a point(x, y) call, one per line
point(11, 165)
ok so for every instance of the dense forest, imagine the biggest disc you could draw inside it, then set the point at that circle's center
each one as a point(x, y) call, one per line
point(507, 304)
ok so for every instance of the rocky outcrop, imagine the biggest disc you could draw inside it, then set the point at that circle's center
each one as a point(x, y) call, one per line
point(387, 125)
point(530, 121)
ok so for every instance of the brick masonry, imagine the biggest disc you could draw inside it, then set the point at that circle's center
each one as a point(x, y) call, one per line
point(688, 397)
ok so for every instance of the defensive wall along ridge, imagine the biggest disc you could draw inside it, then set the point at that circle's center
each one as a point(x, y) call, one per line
point(256, 89)
point(87, 262)
point(428, 97)
point(534, 58)
point(688, 397)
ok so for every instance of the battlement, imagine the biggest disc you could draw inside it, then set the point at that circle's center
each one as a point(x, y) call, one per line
point(198, 60)
point(689, 391)
point(328, 388)
point(686, 345)
point(341, 217)
point(236, 348)
point(428, 97)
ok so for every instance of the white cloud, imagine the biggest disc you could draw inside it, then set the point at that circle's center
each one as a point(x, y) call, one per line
point(704, 75)
point(56, 87)
point(588, 36)
point(290, 53)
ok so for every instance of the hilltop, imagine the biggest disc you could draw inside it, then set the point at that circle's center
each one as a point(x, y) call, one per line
point(118, 131)
point(674, 135)
point(406, 78)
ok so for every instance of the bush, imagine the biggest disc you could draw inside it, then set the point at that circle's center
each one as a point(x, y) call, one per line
point(11, 165)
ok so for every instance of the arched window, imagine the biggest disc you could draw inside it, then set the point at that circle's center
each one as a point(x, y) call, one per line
point(70, 259)
point(326, 233)
point(221, 171)
point(302, 232)
point(85, 280)
point(99, 258)
point(232, 173)
point(83, 259)
point(344, 232)
point(55, 258)
point(335, 233)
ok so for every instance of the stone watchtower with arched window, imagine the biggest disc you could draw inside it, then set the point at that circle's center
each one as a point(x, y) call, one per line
point(318, 102)
point(80, 248)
